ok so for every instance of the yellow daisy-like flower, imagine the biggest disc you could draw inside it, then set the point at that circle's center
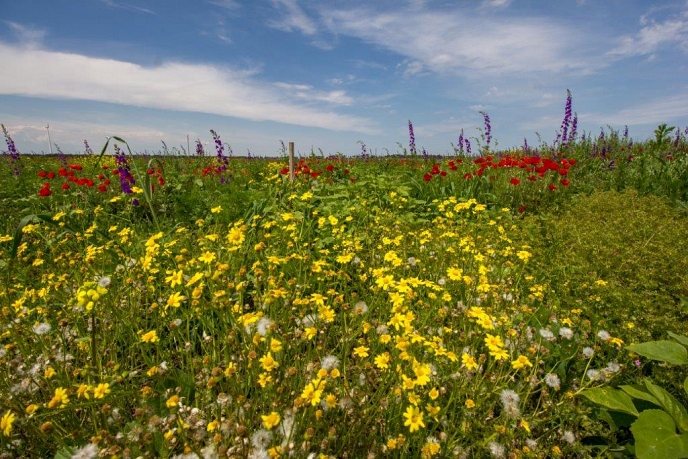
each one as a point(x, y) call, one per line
point(216, 210)
point(6, 423)
point(455, 274)
point(150, 337)
point(60, 399)
point(361, 351)
point(521, 362)
point(271, 420)
point(101, 390)
point(172, 401)
point(414, 418)
point(268, 362)
point(469, 362)
point(236, 236)
point(493, 342)
point(174, 278)
point(175, 300)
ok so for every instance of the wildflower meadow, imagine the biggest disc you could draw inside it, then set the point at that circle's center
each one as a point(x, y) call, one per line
point(529, 303)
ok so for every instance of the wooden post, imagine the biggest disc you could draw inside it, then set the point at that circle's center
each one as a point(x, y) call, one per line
point(291, 161)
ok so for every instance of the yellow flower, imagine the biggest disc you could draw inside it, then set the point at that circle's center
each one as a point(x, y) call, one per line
point(150, 337)
point(216, 210)
point(521, 362)
point(174, 279)
point(361, 351)
point(455, 274)
point(59, 399)
point(101, 390)
point(195, 278)
point(434, 393)
point(311, 332)
point(6, 423)
point(382, 361)
point(175, 300)
point(172, 401)
point(206, 258)
point(469, 362)
point(430, 448)
point(470, 404)
point(271, 420)
point(82, 391)
point(275, 345)
point(499, 354)
point(236, 236)
point(213, 425)
point(49, 372)
point(268, 363)
point(493, 342)
point(414, 418)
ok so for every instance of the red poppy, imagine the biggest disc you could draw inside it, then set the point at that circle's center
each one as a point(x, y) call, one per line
point(42, 174)
point(106, 182)
point(443, 173)
point(346, 171)
point(563, 172)
point(161, 181)
point(521, 209)
point(65, 186)
point(45, 190)
point(427, 177)
point(514, 181)
point(329, 168)
point(565, 182)
point(102, 188)
point(532, 178)
point(76, 167)
point(150, 171)
point(51, 175)
point(551, 187)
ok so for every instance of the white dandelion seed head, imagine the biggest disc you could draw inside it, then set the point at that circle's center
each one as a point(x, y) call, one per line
point(441, 281)
point(264, 325)
point(89, 451)
point(329, 362)
point(588, 352)
point(411, 261)
point(566, 333)
point(360, 308)
point(595, 375)
point(496, 449)
point(612, 367)
point(604, 335)
point(532, 444)
point(552, 380)
point(104, 281)
point(546, 334)
point(261, 439)
point(509, 397)
point(568, 437)
point(42, 328)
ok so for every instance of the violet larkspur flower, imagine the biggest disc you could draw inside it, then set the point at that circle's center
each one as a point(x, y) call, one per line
point(412, 139)
point(460, 145)
point(12, 150)
point(61, 156)
point(488, 130)
point(468, 147)
point(126, 179)
point(87, 148)
point(222, 160)
point(199, 148)
point(566, 122)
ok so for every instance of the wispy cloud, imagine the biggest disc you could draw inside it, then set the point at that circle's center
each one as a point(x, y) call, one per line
point(496, 3)
point(293, 18)
point(230, 5)
point(654, 35)
point(29, 36)
point(460, 42)
point(127, 6)
point(171, 85)
point(310, 94)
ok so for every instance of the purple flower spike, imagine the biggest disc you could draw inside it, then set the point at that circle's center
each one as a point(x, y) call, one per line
point(566, 122)
point(87, 147)
point(488, 129)
point(412, 139)
point(12, 150)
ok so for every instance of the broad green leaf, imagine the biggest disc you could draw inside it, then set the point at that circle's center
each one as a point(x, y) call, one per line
point(656, 438)
point(611, 398)
point(685, 385)
point(680, 338)
point(640, 392)
point(662, 351)
point(672, 406)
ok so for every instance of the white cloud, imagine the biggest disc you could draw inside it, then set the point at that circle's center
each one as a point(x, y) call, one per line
point(653, 113)
point(310, 94)
point(171, 85)
point(31, 37)
point(127, 6)
point(653, 36)
point(496, 3)
point(230, 5)
point(456, 42)
point(294, 18)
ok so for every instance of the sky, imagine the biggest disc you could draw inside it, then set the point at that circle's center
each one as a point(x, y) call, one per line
point(332, 75)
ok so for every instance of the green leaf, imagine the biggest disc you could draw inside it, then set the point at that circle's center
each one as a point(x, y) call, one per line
point(611, 398)
point(656, 438)
point(681, 339)
point(639, 392)
point(662, 351)
point(672, 406)
point(65, 453)
point(685, 385)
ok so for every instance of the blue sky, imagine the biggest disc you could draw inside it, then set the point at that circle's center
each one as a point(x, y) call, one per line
point(330, 73)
